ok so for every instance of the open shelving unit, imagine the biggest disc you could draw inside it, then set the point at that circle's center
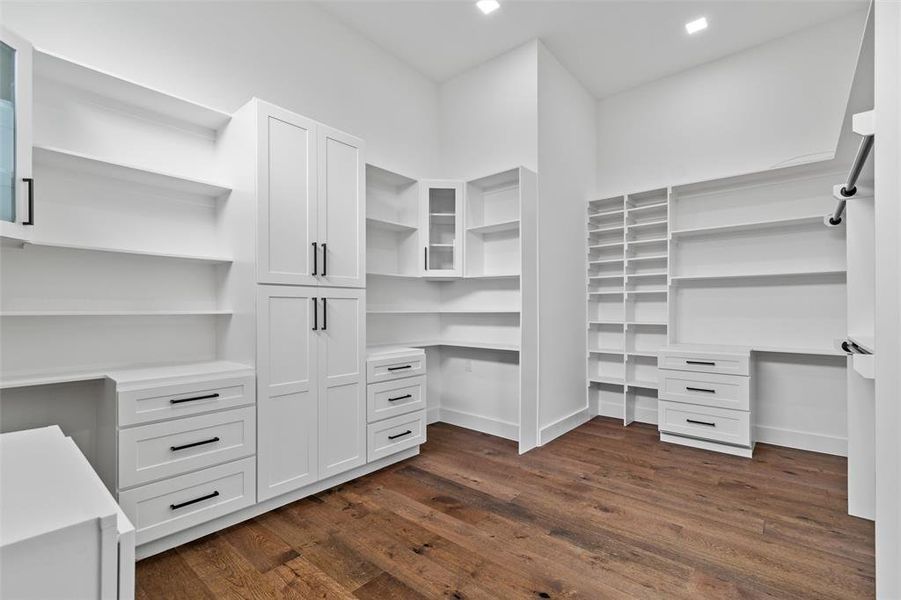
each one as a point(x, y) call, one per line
point(627, 299)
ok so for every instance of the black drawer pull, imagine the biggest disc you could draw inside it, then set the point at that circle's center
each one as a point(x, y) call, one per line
point(694, 389)
point(399, 368)
point(30, 182)
point(194, 501)
point(324, 261)
point(315, 314)
point(180, 400)
point(193, 444)
point(707, 363)
point(404, 397)
point(315, 259)
point(394, 437)
point(708, 424)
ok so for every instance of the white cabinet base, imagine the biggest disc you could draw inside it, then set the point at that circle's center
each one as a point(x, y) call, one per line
point(705, 445)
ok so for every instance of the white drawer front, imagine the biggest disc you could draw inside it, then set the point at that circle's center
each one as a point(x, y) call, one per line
point(159, 450)
point(393, 435)
point(703, 362)
point(395, 367)
point(704, 422)
point(393, 398)
point(707, 389)
point(166, 507)
point(182, 400)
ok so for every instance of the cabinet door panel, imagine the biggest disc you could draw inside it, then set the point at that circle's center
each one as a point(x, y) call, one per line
point(441, 228)
point(342, 387)
point(341, 208)
point(15, 136)
point(287, 197)
point(288, 384)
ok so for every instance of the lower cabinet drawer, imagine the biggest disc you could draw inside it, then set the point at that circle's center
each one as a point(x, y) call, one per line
point(705, 423)
point(158, 403)
point(707, 389)
point(395, 367)
point(170, 448)
point(393, 435)
point(393, 398)
point(166, 507)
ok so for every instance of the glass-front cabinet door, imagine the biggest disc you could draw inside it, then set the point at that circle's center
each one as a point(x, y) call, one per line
point(441, 226)
point(16, 183)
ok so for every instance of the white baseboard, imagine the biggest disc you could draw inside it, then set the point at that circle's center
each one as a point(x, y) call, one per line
point(802, 440)
point(480, 423)
point(433, 415)
point(615, 411)
point(561, 426)
point(198, 531)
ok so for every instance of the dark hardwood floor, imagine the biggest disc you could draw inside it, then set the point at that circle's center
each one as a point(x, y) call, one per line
point(602, 512)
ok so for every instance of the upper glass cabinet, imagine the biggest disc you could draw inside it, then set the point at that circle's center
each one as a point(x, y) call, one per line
point(16, 183)
point(441, 225)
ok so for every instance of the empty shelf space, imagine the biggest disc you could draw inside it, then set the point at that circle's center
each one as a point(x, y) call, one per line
point(750, 225)
point(390, 225)
point(512, 225)
point(454, 343)
point(150, 253)
point(738, 276)
point(605, 261)
point(606, 229)
point(648, 385)
point(813, 351)
point(605, 245)
point(605, 213)
point(605, 323)
point(608, 380)
point(441, 245)
point(632, 259)
point(112, 313)
point(642, 353)
point(117, 170)
point(646, 323)
point(613, 351)
point(647, 224)
point(614, 276)
point(650, 274)
point(650, 241)
point(647, 292)
point(646, 207)
point(127, 92)
point(48, 378)
point(607, 293)
point(441, 311)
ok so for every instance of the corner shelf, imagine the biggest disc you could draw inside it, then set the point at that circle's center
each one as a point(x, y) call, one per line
point(455, 344)
point(390, 225)
point(750, 226)
point(118, 170)
point(129, 251)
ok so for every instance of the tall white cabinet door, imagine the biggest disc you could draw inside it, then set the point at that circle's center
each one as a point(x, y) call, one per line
point(342, 381)
point(16, 183)
point(288, 207)
point(288, 386)
point(342, 204)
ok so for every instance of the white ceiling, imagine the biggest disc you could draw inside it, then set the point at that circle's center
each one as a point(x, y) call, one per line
point(608, 45)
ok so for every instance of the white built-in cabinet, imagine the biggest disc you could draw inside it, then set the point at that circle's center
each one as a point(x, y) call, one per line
point(311, 190)
point(17, 185)
point(311, 385)
point(441, 227)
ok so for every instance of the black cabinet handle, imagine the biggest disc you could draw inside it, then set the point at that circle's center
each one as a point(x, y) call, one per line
point(315, 313)
point(700, 362)
point(324, 312)
point(394, 437)
point(194, 501)
point(399, 368)
point(708, 424)
point(425, 254)
point(697, 389)
point(315, 258)
point(30, 182)
point(324, 262)
point(404, 397)
point(193, 444)
point(180, 400)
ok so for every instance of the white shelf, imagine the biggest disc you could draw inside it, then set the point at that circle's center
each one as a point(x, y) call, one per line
point(647, 292)
point(645, 354)
point(647, 323)
point(441, 245)
point(650, 241)
point(605, 351)
point(118, 170)
point(512, 225)
point(735, 276)
point(607, 380)
point(800, 350)
point(390, 225)
point(640, 275)
point(606, 229)
point(751, 225)
point(396, 275)
point(646, 258)
point(605, 213)
point(607, 293)
point(426, 277)
point(440, 311)
point(609, 245)
point(620, 276)
point(634, 209)
point(481, 345)
point(647, 224)
point(49, 378)
point(111, 313)
point(493, 276)
point(605, 323)
point(150, 253)
point(124, 91)
point(606, 261)
point(647, 385)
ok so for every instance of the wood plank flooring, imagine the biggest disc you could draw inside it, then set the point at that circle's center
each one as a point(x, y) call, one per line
point(602, 512)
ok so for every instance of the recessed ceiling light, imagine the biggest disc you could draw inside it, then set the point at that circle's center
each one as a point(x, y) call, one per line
point(488, 6)
point(696, 25)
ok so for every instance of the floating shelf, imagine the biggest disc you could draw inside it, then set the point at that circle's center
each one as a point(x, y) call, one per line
point(126, 92)
point(118, 170)
point(620, 276)
point(736, 276)
point(607, 293)
point(390, 225)
point(647, 224)
point(750, 226)
point(605, 261)
point(650, 241)
point(111, 313)
point(640, 275)
point(512, 225)
point(606, 229)
point(647, 207)
point(150, 253)
point(605, 213)
point(646, 258)
point(608, 245)
point(647, 292)
point(607, 380)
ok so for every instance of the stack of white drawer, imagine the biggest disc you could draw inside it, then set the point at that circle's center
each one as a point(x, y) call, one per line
point(186, 445)
point(705, 397)
point(395, 400)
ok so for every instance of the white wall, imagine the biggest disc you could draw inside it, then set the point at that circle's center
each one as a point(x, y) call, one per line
point(566, 159)
point(776, 104)
point(222, 53)
point(489, 116)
